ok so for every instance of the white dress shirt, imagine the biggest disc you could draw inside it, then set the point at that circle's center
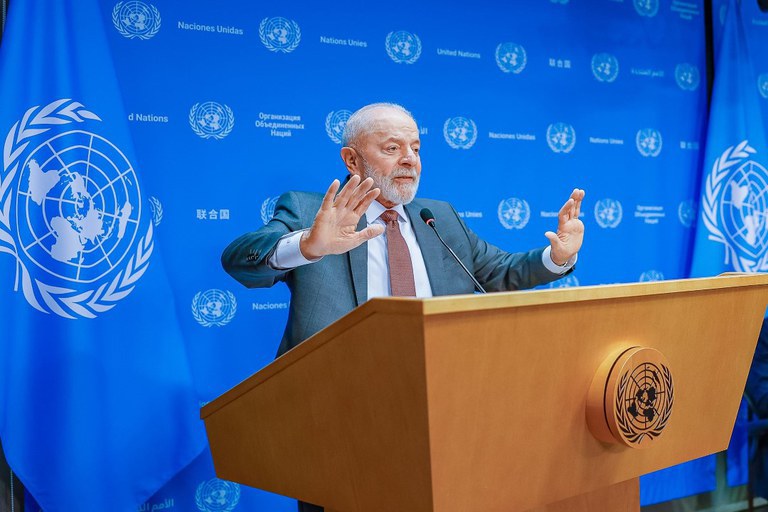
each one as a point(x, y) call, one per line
point(287, 255)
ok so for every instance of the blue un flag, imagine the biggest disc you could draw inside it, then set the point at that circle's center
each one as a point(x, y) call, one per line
point(97, 408)
point(732, 231)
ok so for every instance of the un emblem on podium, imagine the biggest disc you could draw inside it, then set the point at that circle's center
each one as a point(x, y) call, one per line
point(735, 208)
point(631, 398)
point(403, 47)
point(134, 19)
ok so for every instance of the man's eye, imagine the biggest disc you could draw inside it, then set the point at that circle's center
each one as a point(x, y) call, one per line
point(416, 150)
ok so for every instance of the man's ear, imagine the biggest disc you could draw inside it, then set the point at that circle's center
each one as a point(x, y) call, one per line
point(352, 161)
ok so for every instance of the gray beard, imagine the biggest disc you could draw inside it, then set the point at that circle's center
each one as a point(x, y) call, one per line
point(390, 191)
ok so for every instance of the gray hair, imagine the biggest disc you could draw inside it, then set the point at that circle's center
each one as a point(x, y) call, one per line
point(362, 121)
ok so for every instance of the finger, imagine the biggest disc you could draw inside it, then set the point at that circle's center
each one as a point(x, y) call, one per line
point(371, 231)
point(369, 198)
point(359, 192)
point(579, 199)
point(553, 239)
point(346, 192)
point(565, 212)
point(330, 193)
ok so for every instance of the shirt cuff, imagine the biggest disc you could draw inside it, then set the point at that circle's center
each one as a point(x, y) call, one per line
point(546, 259)
point(287, 253)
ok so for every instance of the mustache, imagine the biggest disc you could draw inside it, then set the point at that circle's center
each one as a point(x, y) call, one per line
point(403, 172)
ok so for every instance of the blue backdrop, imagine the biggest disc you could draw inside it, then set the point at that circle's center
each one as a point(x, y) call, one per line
point(519, 102)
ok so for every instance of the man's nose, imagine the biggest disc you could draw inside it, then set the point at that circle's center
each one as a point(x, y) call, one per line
point(409, 158)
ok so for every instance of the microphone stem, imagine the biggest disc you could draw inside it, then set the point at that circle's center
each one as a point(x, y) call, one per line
point(477, 285)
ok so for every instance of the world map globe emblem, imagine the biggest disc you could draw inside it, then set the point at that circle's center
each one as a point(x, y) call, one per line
point(460, 132)
point(561, 137)
point(762, 85)
point(217, 495)
point(687, 77)
point(605, 67)
point(211, 120)
point(648, 142)
point(608, 213)
point(647, 8)
point(514, 213)
point(78, 207)
point(511, 58)
point(279, 34)
point(135, 19)
point(650, 276)
point(686, 212)
point(744, 210)
point(403, 47)
point(214, 307)
point(335, 122)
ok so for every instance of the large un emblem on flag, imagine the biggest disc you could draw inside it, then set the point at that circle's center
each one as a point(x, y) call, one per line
point(735, 208)
point(403, 47)
point(136, 19)
point(71, 213)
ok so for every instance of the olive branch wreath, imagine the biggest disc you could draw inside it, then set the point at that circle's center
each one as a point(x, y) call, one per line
point(713, 185)
point(199, 131)
point(623, 419)
point(271, 47)
point(409, 60)
point(130, 35)
point(329, 128)
point(65, 302)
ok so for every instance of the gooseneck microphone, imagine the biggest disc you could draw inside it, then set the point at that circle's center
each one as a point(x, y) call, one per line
point(429, 220)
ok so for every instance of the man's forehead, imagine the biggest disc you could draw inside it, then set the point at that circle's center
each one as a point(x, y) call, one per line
point(387, 122)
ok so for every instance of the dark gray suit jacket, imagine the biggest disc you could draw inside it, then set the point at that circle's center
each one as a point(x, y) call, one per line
point(324, 291)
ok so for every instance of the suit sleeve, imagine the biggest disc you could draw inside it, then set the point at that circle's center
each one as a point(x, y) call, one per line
point(246, 257)
point(498, 270)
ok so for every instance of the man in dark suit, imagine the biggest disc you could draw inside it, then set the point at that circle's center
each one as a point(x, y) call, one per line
point(330, 251)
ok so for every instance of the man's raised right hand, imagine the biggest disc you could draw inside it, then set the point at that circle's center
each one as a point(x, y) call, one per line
point(334, 230)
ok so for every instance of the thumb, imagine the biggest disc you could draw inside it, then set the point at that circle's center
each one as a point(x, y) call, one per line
point(371, 231)
point(553, 239)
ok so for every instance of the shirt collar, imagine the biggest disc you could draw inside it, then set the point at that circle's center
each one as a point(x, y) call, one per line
point(376, 209)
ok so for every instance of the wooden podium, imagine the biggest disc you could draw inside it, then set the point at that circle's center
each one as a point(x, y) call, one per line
point(480, 403)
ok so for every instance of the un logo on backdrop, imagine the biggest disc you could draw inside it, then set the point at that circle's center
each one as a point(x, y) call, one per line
point(647, 8)
point(568, 281)
point(686, 212)
point(735, 208)
point(403, 47)
point(335, 122)
point(211, 120)
point(608, 213)
point(651, 275)
point(217, 495)
point(561, 137)
point(762, 85)
point(648, 142)
point(71, 213)
point(511, 57)
point(605, 67)
point(268, 209)
point(460, 132)
point(687, 77)
point(514, 213)
point(279, 34)
point(134, 19)
point(214, 307)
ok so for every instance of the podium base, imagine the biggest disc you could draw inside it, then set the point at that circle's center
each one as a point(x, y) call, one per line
point(621, 497)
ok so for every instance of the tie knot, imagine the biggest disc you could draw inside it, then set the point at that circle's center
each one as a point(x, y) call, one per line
point(389, 216)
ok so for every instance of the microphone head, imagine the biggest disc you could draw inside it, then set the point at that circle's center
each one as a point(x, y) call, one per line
point(426, 216)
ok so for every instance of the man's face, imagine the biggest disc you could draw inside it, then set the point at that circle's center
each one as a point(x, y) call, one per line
point(390, 155)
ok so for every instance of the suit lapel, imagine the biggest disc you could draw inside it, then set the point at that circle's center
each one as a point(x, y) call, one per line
point(358, 263)
point(431, 249)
